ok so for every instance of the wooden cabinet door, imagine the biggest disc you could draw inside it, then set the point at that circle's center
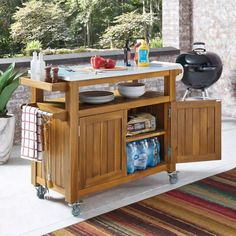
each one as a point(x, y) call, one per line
point(195, 131)
point(102, 148)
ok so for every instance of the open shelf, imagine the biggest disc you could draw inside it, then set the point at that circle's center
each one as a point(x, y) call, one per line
point(121, 103)
point(145, 135)
point(149, 171)
point(60, 86)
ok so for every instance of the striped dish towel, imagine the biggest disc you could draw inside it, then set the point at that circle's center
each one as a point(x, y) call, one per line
point(31, 135)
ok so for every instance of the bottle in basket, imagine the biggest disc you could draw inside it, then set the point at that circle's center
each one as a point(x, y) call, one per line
point(141, 162)
point(130, 150)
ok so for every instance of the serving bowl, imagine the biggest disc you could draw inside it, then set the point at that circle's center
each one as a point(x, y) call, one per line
point(131, 90)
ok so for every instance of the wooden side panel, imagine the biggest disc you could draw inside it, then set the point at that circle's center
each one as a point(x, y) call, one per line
point(102, 144)
point(56, 156)
point(196, 131)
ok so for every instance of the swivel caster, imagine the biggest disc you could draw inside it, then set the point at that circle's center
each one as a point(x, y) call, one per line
point(173, 177)
point(41, 191)
point(76, 209)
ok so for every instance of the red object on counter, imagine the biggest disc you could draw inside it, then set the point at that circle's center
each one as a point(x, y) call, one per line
point(97, 62)
point(110, 63)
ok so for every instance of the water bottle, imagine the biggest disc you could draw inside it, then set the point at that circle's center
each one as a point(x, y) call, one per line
point(141, 162)
point(152, 153)
point(158, 149)
point(130, 158)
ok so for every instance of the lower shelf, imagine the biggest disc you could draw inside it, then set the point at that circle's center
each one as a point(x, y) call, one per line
point(125, 179)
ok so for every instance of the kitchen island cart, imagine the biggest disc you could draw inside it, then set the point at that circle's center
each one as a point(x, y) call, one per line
point(88, 142)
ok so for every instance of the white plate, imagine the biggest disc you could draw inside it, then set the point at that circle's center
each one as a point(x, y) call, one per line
point(96, 97)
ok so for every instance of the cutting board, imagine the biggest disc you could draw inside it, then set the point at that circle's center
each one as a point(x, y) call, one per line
point(91, 69)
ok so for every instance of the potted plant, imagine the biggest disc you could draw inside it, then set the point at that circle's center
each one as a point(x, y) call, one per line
point(9, 81)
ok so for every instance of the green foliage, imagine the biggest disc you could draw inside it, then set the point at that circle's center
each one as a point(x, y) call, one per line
point(50, 51)
point(131, 25)
point(9, 81)
point(156, 43)
point(7, 8)
point(74, 23)
point(38, 20)
point(32, 46)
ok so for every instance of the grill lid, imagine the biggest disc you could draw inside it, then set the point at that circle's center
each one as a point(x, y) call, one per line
point(201, 68)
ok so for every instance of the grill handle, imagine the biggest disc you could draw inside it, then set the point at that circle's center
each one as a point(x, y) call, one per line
point(198, 68)
point(209, 68)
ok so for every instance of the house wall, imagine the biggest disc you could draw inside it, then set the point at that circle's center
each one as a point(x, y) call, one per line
point(212, 22)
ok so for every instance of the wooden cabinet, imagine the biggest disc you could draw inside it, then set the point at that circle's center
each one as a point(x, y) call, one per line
point(195, 131)
point(88, 143)
point(102, 148)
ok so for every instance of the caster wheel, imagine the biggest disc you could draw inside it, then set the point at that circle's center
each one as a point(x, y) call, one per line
point(41, 191)
point(173, 178)
point(76, 209)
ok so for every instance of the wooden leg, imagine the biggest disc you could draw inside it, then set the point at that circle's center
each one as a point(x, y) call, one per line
point(71, 161)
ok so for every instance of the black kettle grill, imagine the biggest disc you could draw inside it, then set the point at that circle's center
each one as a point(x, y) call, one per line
point(201, 69)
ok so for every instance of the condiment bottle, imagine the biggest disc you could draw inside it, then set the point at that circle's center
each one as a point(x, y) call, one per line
point(127, 54)
point(143, 54)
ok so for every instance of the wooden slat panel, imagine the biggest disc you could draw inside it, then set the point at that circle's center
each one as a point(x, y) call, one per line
point(105, 152)
point(218, 131)
point(117, 149)
point(181, 131)
point(203, 131)
point(196, 131)
point(211, 130)
point(97, 150)
point(196, 128)
point(52, 150)
point(55, 155)
point(111, 146)
point(89, 150)
point(104, 160)
point(189, 131)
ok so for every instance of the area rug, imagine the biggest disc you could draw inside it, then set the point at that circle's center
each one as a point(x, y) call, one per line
point(206, 207)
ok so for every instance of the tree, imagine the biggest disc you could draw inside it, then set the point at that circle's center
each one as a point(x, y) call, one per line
point(7, 8)
point(131, 25)
point(38, 20)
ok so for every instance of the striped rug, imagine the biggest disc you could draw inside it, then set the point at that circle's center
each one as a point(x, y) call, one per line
point(206, 207)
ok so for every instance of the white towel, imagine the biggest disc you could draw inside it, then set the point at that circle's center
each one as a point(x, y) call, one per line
point(31, 141)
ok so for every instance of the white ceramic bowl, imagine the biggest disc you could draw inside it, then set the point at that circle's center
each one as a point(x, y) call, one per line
point(131, 90)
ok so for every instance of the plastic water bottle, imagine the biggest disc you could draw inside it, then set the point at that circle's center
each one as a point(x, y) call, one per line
point(158, 149)
point(141, 162)
point(152, 153)
point(130, 158)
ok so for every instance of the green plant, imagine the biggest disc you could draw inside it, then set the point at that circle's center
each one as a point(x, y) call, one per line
point(9, 82)
point(156, 43)
point(32, 46)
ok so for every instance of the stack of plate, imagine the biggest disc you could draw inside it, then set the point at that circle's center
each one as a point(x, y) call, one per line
point(96, 97)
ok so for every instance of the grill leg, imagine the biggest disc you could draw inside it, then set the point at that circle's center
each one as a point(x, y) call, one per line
point(206, 92)
point(185, 94)
point(203, 94)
